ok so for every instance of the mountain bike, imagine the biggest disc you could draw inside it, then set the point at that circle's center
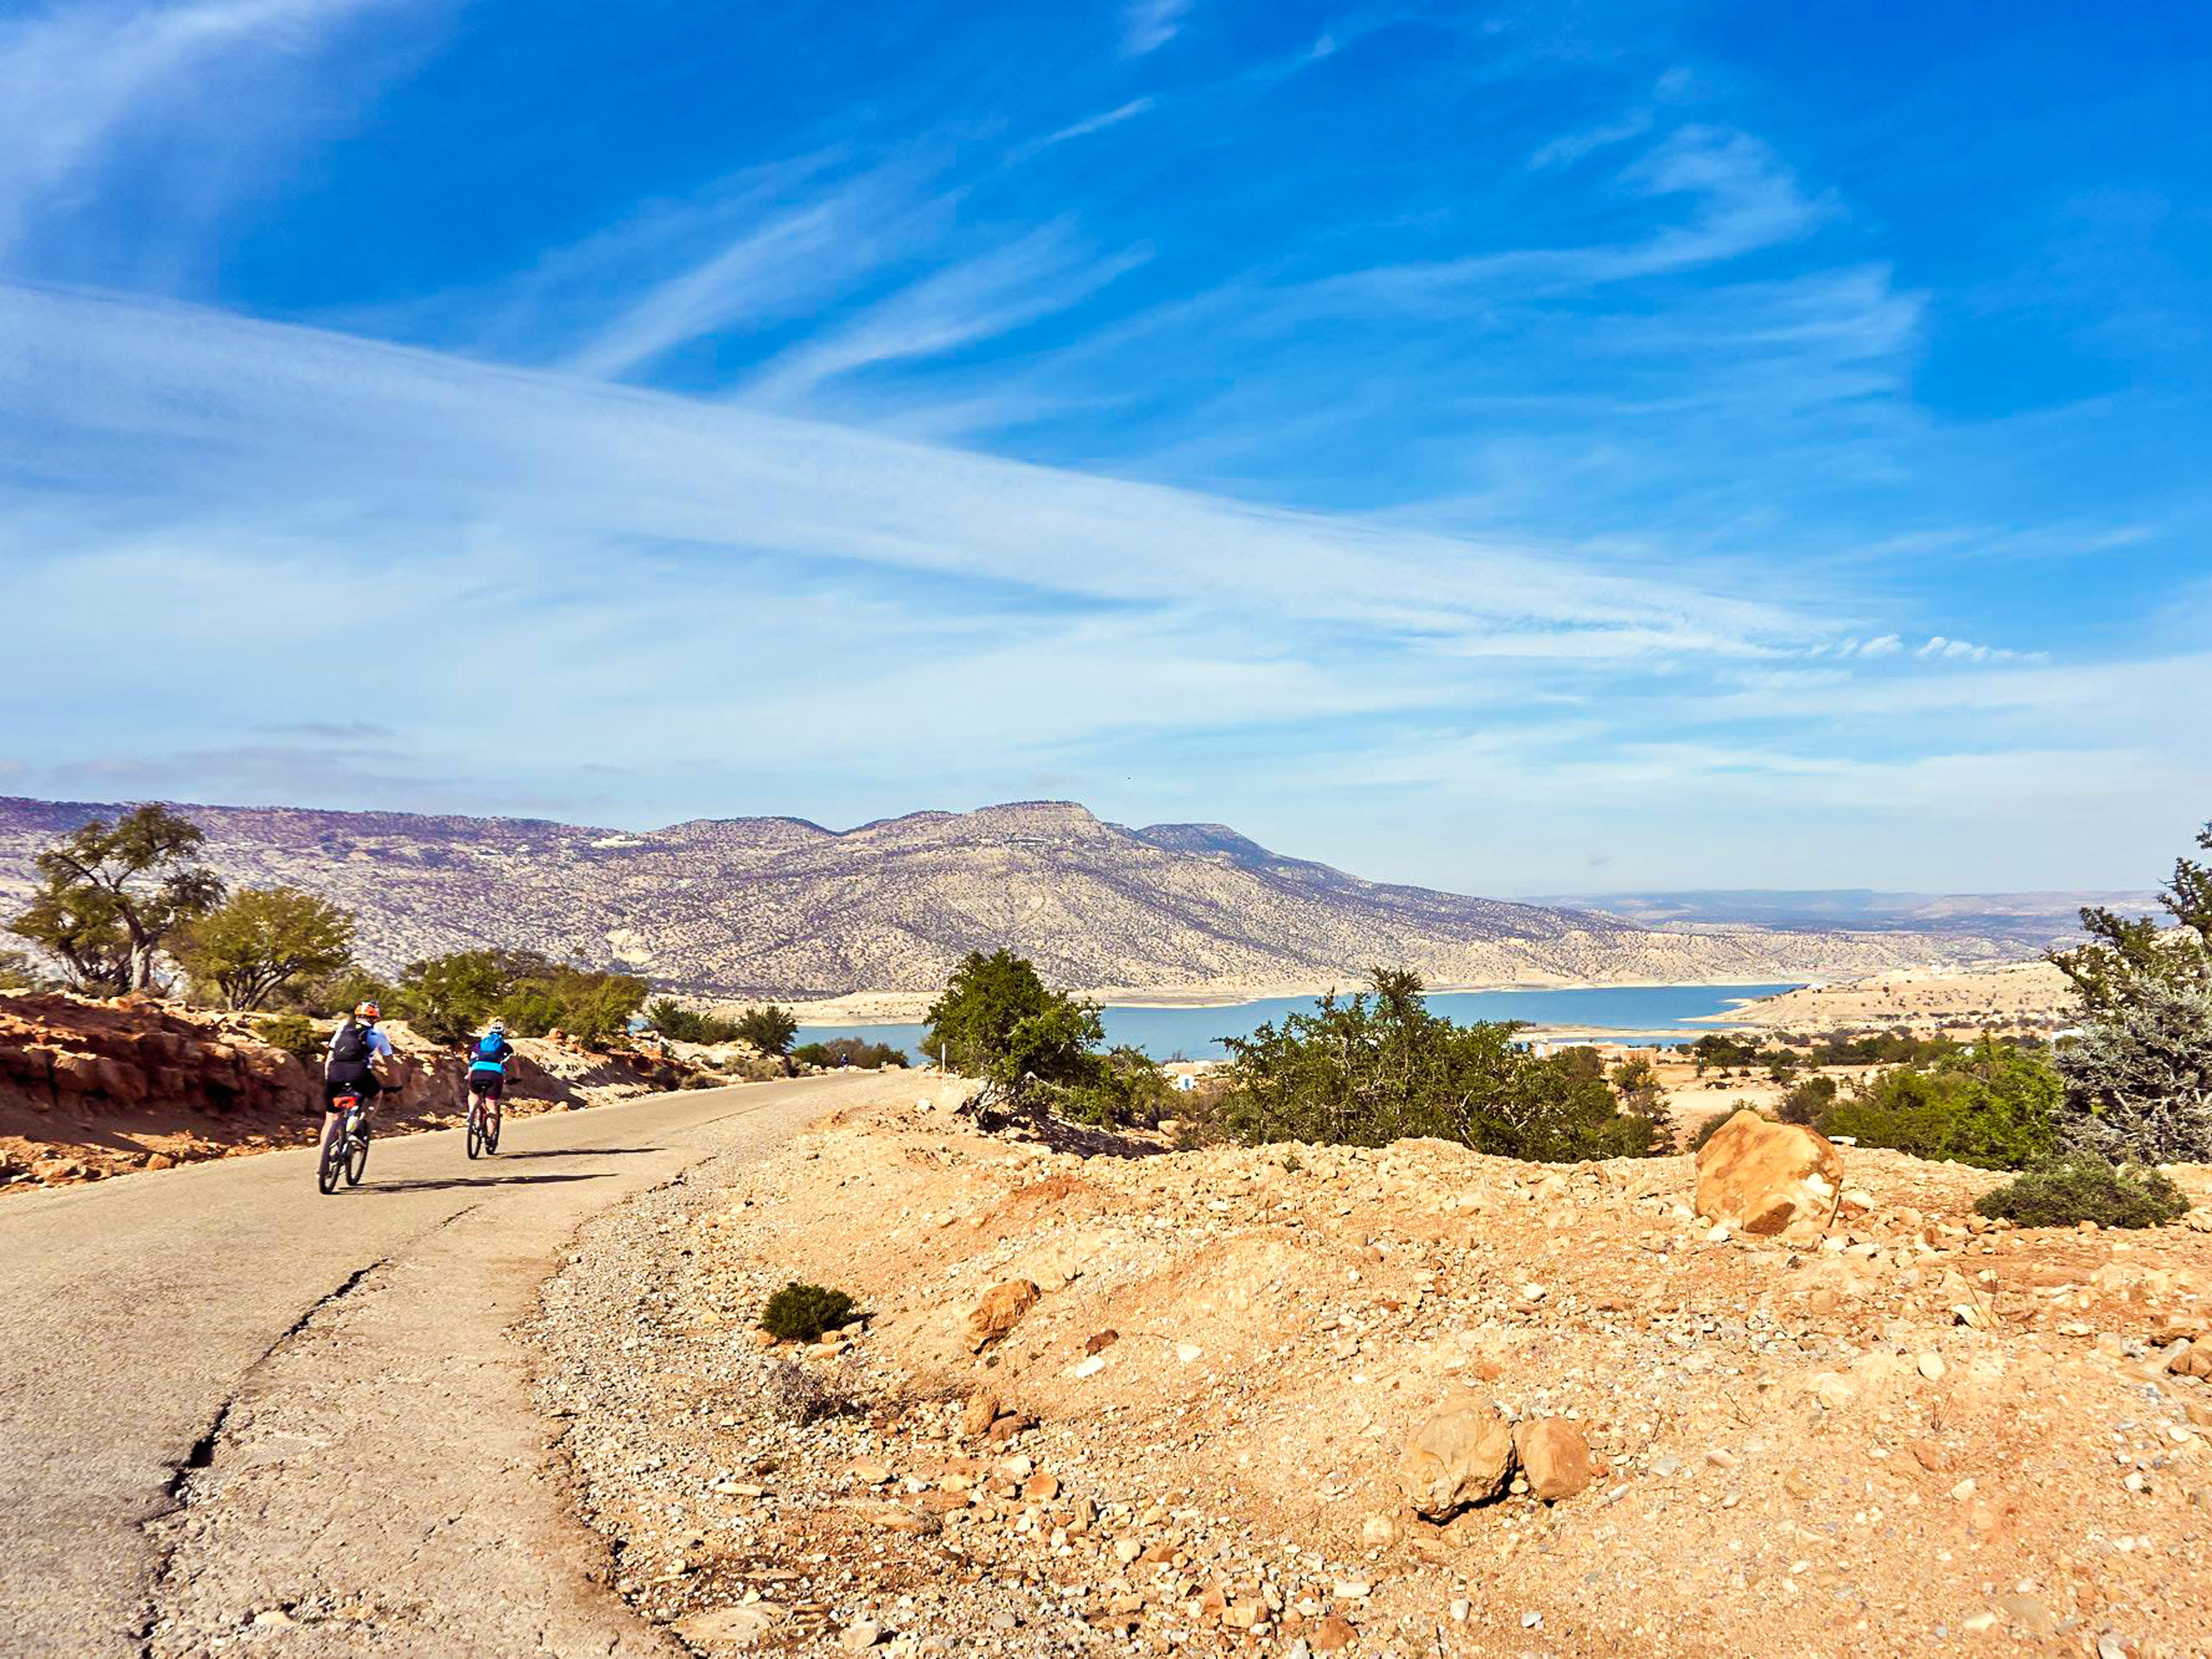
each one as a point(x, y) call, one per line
point(483, 1127)
point(345, 1145)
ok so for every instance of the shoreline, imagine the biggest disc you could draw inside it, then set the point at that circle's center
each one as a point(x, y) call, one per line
point(908, 1008)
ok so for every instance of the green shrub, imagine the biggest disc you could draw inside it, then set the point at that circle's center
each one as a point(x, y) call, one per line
point(1808, 1101)
point(801, 1313)
point(848, 1051)
point(296, 1034)
point(2084, 1188)
point(1992, 1105)
point(1366, 1073)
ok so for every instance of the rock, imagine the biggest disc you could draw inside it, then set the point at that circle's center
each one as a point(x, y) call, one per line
point(1555, 1458)
point(1769, 1179)
point(1041, 1489)
point(1009, 1426)
point(1101, 1342)
point(982, 1410)
point(999, 1312)
point(859, 1636)
point(733, 1626)
point(1187, 1352)
point(1331, 1632)
point(897, 1517)
point(1931, 1367)
point(1461, 1455)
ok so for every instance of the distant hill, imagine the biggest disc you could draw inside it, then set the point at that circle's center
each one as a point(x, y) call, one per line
point(2031, 919)
point(782, 907)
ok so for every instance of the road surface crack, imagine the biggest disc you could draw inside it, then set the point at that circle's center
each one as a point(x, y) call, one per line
point(180, 1492)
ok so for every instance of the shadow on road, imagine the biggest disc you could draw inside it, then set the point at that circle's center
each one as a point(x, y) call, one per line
point(372, 1186)
point(576, 1152)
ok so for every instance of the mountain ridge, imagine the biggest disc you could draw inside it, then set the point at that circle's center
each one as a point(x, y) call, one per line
point(782, 906)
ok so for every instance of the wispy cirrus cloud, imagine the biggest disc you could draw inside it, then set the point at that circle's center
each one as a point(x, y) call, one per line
point(79, 78)
point(1148, 25)
point(1042, 272)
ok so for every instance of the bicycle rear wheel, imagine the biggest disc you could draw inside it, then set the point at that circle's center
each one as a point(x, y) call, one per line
point(476, 1127)
point(492, 1131)
point(331, 1163)
point(356, 1160)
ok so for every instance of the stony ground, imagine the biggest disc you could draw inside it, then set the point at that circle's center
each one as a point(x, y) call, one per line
point(1924, 1433)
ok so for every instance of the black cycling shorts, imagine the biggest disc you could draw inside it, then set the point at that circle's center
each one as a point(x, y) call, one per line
point(363, 1089)
point(490, 1084)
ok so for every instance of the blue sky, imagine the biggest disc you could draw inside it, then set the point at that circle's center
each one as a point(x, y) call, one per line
point(1518, 449)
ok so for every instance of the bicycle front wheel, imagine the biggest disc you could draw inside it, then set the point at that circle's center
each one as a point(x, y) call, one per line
point(476, 1129)
point(331, 1163)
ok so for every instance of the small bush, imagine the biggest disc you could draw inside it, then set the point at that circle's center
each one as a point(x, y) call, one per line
point(801, 1313)
point(1808, 1101)
point(296, 1034)
point(848, 1051)
point(799, 1397)
point(2084, 1188)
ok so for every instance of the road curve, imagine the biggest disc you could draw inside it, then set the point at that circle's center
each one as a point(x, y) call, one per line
point(343, 1363)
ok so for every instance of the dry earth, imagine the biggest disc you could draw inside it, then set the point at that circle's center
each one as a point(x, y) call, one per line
point(1921, 1432)
point(2013, 996)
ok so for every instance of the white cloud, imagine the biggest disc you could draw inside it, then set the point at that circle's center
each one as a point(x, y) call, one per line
point(958, 305)
point(1742, 198)
point(1148, 25)
point(77, 77)
point(292, 427)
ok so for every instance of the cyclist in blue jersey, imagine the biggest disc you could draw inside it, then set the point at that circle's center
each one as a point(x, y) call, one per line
point(487, 1071)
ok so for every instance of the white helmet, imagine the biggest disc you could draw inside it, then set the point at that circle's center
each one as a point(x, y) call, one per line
point(499, 1027)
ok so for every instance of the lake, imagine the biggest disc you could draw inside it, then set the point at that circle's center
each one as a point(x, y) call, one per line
point(1645, 1013)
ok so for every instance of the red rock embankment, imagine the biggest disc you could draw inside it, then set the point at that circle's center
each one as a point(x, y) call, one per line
point(92, 1088)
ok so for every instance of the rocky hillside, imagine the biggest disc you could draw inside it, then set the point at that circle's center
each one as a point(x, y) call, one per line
point(782, 907)
point(1302, 1401)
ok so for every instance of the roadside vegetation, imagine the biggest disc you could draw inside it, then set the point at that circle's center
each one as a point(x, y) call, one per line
point(1038, 1050)
point(854, 1051)
point(1376, 1068)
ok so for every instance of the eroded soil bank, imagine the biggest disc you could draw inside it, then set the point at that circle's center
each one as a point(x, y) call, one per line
point(1923, 1433)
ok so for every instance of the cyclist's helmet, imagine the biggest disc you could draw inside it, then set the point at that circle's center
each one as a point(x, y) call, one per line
point(499, 1027)
point(368, 1011)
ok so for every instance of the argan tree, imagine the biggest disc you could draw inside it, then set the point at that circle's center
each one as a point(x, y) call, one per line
point(261, 939)
point(2139, 1083)
point(110, 895)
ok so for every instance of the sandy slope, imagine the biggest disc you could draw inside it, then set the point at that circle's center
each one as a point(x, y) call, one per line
point(1924, 1431)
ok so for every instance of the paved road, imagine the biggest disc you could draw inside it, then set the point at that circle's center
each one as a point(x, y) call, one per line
point(235, 1413)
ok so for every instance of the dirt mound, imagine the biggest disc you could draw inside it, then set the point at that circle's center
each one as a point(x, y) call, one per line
point(1920, 1427)
point(90, 1089)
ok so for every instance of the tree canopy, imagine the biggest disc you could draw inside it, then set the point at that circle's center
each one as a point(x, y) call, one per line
point(1034, 1046)
point(111, 894)
point(261, 939)
point(2138, 1081)
point(1367, 1072)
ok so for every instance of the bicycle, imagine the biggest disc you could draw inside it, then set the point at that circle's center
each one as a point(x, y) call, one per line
point(483, 1128)
point(345, 1145)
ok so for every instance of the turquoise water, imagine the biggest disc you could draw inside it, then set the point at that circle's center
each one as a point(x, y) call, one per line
point(1649, 1014)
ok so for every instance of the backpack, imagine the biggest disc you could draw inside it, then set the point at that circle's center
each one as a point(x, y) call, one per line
point(491, 1046)
point(351, 1046)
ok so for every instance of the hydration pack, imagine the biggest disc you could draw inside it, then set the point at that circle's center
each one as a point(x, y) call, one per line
point(351, 1046)
point(489, 1046)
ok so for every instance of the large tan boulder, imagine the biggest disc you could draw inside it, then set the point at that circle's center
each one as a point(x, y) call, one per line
point(1768, 1179)
point(1555, 1459)
point(1461, 1455)
point(999, 1312)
